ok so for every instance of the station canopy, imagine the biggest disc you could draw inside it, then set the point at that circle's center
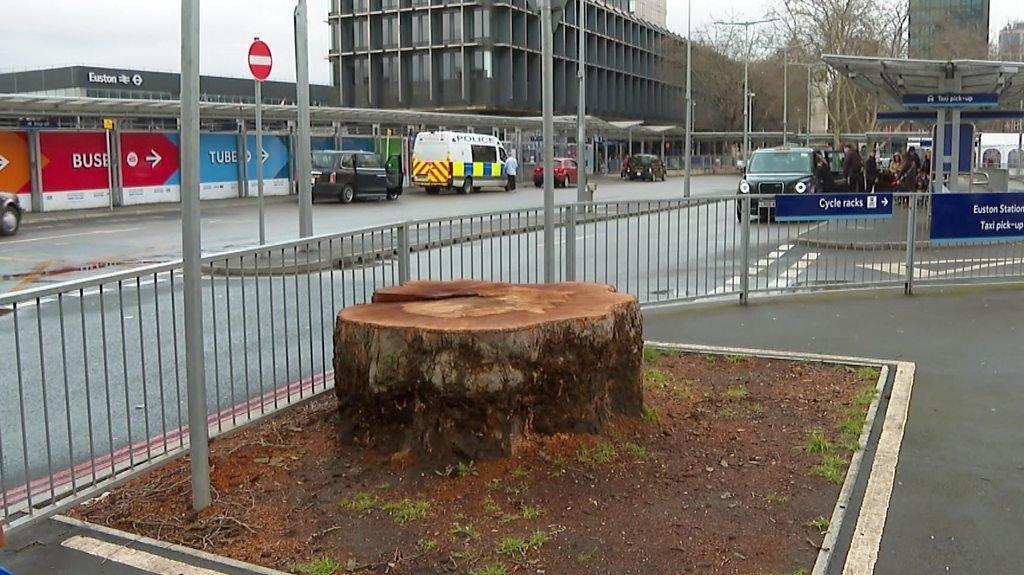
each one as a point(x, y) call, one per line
point(890, 79)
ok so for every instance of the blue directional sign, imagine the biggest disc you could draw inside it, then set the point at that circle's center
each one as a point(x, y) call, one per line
point(950, 100)
point(815, 207)
point(977, 217)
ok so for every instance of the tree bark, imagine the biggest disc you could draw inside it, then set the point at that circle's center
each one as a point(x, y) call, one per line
point(457, 370)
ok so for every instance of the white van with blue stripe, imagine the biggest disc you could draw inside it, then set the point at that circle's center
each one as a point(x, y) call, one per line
point(458, 161)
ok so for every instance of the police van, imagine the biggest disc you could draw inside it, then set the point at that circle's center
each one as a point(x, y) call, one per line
point(458, 161)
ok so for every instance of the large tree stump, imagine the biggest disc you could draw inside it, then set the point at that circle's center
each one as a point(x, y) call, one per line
point(456, 370)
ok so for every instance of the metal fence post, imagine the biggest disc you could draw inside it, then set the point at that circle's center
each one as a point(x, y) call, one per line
point(908, 287)
point(570, 243)
point(403, 253)
point(745, 249)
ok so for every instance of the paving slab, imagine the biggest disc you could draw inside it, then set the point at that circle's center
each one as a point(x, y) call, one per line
point(958, 502)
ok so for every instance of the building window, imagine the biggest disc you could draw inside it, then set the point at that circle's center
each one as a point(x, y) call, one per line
point(359, 33)
point(420, 67)
point(390, 5)
point(389, 31)
point(481, 64)
point(481, 23)
point(420, 29)
point(451, 65)
point(361, 5)
point(389, 72)
point(360, 71)
point(451, 26)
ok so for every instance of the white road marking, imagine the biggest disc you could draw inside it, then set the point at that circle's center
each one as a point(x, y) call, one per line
point(792, 273)
point(867, 537)
point(921, 272)
point(75, 235)
point(133, 557)
point(759, 266)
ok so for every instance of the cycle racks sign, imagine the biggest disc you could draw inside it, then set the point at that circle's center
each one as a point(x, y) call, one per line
point(816, 207)
point(977, 217)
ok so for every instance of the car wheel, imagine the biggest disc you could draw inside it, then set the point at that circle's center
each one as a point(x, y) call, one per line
point(10, 221)
point(432, 191)
point(393, 195)
point(467, 187)
point(538, 183)
point(348, 193)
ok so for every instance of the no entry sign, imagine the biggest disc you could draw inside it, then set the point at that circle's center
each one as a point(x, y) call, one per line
point(260, 60)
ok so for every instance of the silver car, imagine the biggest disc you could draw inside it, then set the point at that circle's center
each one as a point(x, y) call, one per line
point(10, 214)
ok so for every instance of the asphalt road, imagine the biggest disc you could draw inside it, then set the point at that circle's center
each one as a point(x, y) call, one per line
point(47, 251)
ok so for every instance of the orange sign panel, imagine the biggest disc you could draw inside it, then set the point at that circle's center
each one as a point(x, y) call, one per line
point(14, 170)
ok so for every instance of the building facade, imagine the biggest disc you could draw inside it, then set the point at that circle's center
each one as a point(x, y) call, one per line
point(95, 82)
point(1011, 42)
point(485, 56)
point(948, 29)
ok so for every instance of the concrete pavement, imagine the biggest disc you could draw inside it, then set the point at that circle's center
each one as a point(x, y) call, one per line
point(958, 502)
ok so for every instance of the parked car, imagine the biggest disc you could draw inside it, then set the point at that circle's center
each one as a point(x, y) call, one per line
point(645, 167)
point(566, 172)
point(10, 214)
point(783, 170)
point(350, 175)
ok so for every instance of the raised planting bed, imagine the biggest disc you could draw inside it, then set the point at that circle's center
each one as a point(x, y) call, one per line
point(735, 467)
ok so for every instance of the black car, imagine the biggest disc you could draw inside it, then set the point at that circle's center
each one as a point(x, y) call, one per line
point(348, 175)
point(10, 214)
point(785, 170)
point(644, 167)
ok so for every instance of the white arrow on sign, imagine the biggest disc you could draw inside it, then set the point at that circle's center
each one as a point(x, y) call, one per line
point(153, 158)
point(265, 155)
point(885, 201)
point(4, 162)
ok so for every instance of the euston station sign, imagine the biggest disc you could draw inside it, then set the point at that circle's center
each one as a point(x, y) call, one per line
point(977, 217)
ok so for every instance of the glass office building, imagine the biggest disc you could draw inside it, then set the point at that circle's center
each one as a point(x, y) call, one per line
point(940, 27)
point(485, 56)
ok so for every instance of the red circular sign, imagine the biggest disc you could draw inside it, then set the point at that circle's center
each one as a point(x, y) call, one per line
point(260, 60)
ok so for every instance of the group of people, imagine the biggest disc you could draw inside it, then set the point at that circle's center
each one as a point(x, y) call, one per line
point(910, 172)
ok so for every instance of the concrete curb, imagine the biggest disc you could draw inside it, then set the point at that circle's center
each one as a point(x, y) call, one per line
point(886, 245)
point(181, 549)
point(871, 513)
point(128, 212)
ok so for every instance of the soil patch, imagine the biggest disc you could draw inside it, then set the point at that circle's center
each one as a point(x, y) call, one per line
point(734, 467)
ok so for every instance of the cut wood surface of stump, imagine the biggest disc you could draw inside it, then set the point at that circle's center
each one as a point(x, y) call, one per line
point(447, 371)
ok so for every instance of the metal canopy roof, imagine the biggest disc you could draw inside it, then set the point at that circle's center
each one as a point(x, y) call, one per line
point(889, 78)
point(25, 105)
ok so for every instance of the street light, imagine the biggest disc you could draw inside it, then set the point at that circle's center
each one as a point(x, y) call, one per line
point(746, 77)
point(689, 97)
point(303, 154)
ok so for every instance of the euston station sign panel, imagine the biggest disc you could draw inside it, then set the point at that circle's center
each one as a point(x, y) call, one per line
point(977, 217)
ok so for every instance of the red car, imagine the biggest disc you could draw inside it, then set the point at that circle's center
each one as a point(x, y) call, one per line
point(565, 173)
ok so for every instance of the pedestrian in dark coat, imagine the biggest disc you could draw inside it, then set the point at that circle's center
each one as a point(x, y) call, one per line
point(871, 172)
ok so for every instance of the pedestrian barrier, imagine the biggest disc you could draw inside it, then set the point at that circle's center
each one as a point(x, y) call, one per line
point(94, 392)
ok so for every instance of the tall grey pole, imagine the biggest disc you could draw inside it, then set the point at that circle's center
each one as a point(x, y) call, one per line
point(785, 97)
point(1020, 142)
point(259, 160)
point(303, 161)
point(689, 99)
point(808, 105)
point(191, 253)
point(548, 97)
point(581, 119)
point(746, 101)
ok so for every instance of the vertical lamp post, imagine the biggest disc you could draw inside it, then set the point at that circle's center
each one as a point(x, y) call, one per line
point(581, 120)
point(689, 98)
point(303, 159)
point(547, 96)
point(746, 79)
point(808, 106)
point(191, 243)
point(785, 97)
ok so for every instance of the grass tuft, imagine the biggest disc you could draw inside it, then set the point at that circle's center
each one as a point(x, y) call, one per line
point(867, 373)
point(832, 468)
point(820, 523)
point(464, 531)
point(406, 510)
point(465, 469)
point(537, 540)
point(531, 511)
point(735, 358)
point(736, 393)
point(362, 501)
point(817, 442)
point(650, 414)
point(774, 498)
point(635, 450)
point(512, 546)
point(865, 396)
point(321, 566)
point(425, 545)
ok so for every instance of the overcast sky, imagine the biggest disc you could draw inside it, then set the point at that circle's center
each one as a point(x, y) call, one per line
point(144, 33)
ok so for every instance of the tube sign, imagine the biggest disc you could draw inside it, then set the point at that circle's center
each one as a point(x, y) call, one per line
point(75, 170)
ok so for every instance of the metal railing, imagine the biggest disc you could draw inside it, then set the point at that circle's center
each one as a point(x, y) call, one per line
point(94, 392)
